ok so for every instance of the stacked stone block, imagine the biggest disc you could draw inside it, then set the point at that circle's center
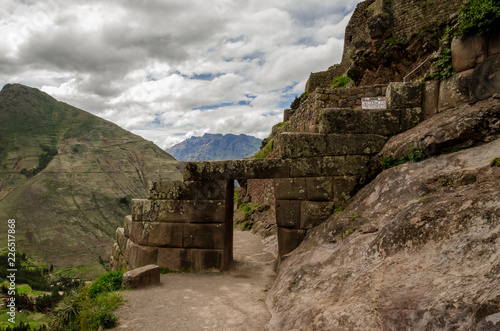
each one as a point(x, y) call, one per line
point(182, 225)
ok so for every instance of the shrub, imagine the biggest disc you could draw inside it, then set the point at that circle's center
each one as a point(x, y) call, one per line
point(495, 162)
point(480, 17)
point(111, 281)
point(340, 81)
point(78, 311)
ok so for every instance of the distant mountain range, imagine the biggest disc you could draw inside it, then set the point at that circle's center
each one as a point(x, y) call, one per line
point(215, 147)
point(67, 177)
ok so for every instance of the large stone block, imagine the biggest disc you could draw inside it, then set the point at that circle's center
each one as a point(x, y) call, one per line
point(236, 169)
point(430, 98)
point(354, 144)
point(138, 255)
point(485, 81)
point(157, 234)
point(121, 239)
point(340, 120)
point(410, 117)
point(297, 145)
point(343, 188)
point(310, 167)
point(319, 188)
point(166, 235)
point(288, 213)
point(344, 165)
point(455, 91)
point(290, 189)
point(141, 277)
point(173, 258)
point(337, 121)
point(385, 122)
point(468, 51)
point(313, 213)
point(208, 188)
point(206, 211)
point(494, 44)
point(127, 223)
point(264, 168)
point(289, 239)
point(207, 259)
point(404, 95)
point(206, 236)
point(137, 209)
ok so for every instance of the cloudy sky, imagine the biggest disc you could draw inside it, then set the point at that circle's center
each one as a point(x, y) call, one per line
point(171, 69)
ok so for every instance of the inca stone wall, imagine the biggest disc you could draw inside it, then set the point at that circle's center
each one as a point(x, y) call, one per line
point(414, 16)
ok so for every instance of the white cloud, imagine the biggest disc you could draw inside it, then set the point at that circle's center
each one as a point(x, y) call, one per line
point(169, 69)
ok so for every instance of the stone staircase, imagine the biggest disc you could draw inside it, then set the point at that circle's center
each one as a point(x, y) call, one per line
point(189, 224)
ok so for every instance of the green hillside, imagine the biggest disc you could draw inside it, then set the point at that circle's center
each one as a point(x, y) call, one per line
point(67, 177)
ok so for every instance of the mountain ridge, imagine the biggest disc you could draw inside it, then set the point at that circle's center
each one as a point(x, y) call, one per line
point(67, 177)
point(211, 147)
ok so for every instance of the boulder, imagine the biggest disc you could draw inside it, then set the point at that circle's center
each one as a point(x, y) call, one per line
point(494, 44)
point(486, 79)
point(430, 98)
point(416, 249)
point(467, 52)
point(462, 127)
point(141, 277)
point(455, 91)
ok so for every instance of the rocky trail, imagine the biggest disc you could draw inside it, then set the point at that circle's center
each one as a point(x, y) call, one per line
point(230, 300)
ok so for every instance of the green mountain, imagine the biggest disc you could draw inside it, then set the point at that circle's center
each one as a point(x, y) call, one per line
point(215, 147)
point(67, 178)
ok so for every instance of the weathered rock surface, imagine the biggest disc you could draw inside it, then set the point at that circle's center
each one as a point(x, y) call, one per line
point(463, 127)
point(416, 249)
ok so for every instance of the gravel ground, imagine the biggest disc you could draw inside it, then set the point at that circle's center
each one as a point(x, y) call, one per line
point(230, 300)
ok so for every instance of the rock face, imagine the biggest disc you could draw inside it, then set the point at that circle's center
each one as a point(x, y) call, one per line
point(416, 249)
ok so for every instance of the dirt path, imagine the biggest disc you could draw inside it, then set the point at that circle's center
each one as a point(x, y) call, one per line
point(231, 300)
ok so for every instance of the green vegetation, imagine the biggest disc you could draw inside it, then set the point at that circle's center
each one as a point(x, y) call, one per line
point(264, 152)
point(355, 216)
point(415, 155)
point(479, 17)
point(340, 81)
point(298, 100)
point(235, 197)
point(348, 233)
point(443, 64)
point(338, 210)
point(109, 282)
point(422, 199)
point(79, 311)
point(43, 161)
point(495, 162)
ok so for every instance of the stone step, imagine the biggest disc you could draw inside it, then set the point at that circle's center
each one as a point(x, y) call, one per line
point(297, 145)
point(385, 122)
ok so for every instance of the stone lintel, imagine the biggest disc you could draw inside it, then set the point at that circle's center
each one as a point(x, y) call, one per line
point(276, 168)
point(213, 188)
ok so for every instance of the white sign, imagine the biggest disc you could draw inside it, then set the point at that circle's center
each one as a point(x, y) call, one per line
point(374, 103)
